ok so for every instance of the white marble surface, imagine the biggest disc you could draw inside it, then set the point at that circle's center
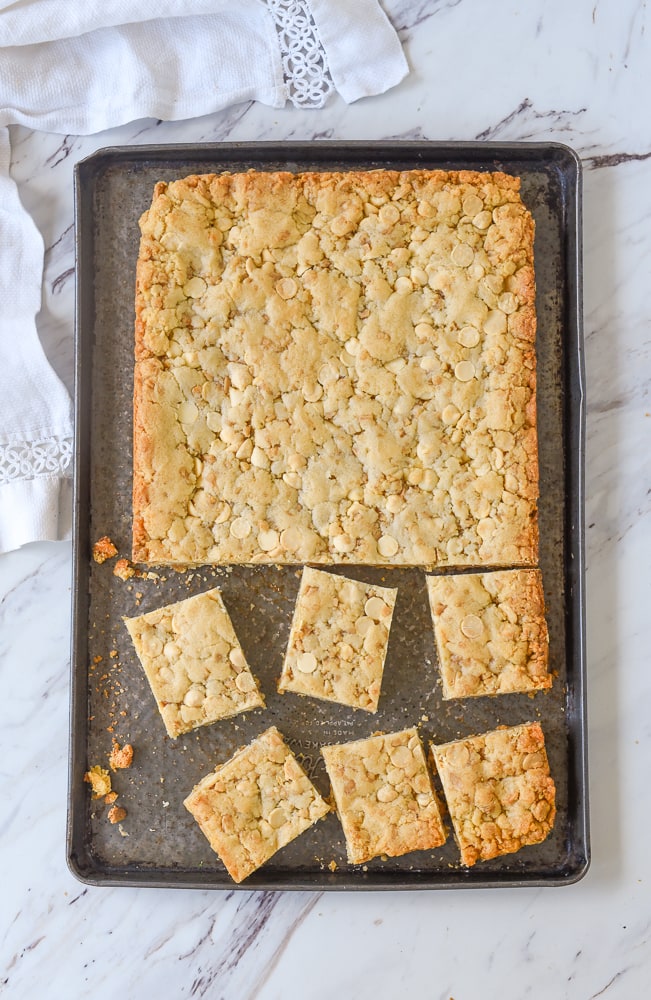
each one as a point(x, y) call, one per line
point(579, 73)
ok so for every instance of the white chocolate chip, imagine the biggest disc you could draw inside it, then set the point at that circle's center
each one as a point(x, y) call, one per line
point(188, 412)
point(353, 346)
point(290, 539)
point(419, 276)
point(395, 503)
point(468, 337)
point(292, 479)
point(286, 288)
point(277, 818)
point(306, 663)
point(259, 459)
point(194, 697)
point(472, 205)
point(312, 393)
point(245, 450)
point(471, 626)
point(240, 528)
point(387, 546)
point(346, 651)
point(236, 656)
point(482, 220)
point(508, 303)
point(424, 331)
point(462, 255)
point(403, 286)
point(223, 512)
point(386, 793)
point(195, 287)
point(363, 624)
point(389, 215)
point(400, 756)
point(376, 608)
point(244, 682)
point(450, 414)
point(268, 540)
point(464, 371)
point(343, 543)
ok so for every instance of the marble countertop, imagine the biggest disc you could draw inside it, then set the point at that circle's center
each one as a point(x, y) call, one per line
point(577, 73)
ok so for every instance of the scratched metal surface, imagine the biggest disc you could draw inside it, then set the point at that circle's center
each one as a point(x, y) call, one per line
point(159, 843)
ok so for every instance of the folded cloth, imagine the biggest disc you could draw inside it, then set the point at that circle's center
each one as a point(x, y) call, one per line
point(170, 60)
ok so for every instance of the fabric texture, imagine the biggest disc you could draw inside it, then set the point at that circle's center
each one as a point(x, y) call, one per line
point(194, 57)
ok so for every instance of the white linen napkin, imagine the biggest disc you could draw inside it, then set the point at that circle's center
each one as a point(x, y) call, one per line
point(84, 67)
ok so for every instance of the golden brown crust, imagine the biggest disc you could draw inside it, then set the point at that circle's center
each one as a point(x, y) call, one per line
point(491, 633)
point(255, 803)
point(498, 789)
point(384, 796)
point(336, 368)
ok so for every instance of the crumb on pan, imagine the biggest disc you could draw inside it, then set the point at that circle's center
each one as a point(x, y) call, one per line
point(116, 814)
point(99, 780)
point(120, 757)
point(104, 549)
point(124, 569)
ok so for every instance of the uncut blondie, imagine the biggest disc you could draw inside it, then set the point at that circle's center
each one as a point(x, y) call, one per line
point(336, 368)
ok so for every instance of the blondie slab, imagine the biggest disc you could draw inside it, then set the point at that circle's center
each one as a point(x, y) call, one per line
point(491, 633)
point(194, 662)
point(384, 796)
point(255, 803)
point(499, 791)
point(336, 368)
point(338, 640)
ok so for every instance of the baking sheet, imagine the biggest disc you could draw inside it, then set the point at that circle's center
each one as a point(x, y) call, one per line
point(158, 843)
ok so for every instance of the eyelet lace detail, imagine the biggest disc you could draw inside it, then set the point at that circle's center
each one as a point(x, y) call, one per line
point(28, 459)
point(307, 76)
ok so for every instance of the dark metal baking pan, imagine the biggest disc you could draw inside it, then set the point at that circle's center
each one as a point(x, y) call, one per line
point(158, 844)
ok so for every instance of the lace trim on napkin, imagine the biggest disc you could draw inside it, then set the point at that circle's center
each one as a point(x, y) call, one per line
point(28, 459)
point(307, 76)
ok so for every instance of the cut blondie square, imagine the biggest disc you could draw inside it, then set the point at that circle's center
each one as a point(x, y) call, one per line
point(338, 640)
point(499, 791)
point(384, 796)
point(255, 803)
point(194, 662)
point(491, 633)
